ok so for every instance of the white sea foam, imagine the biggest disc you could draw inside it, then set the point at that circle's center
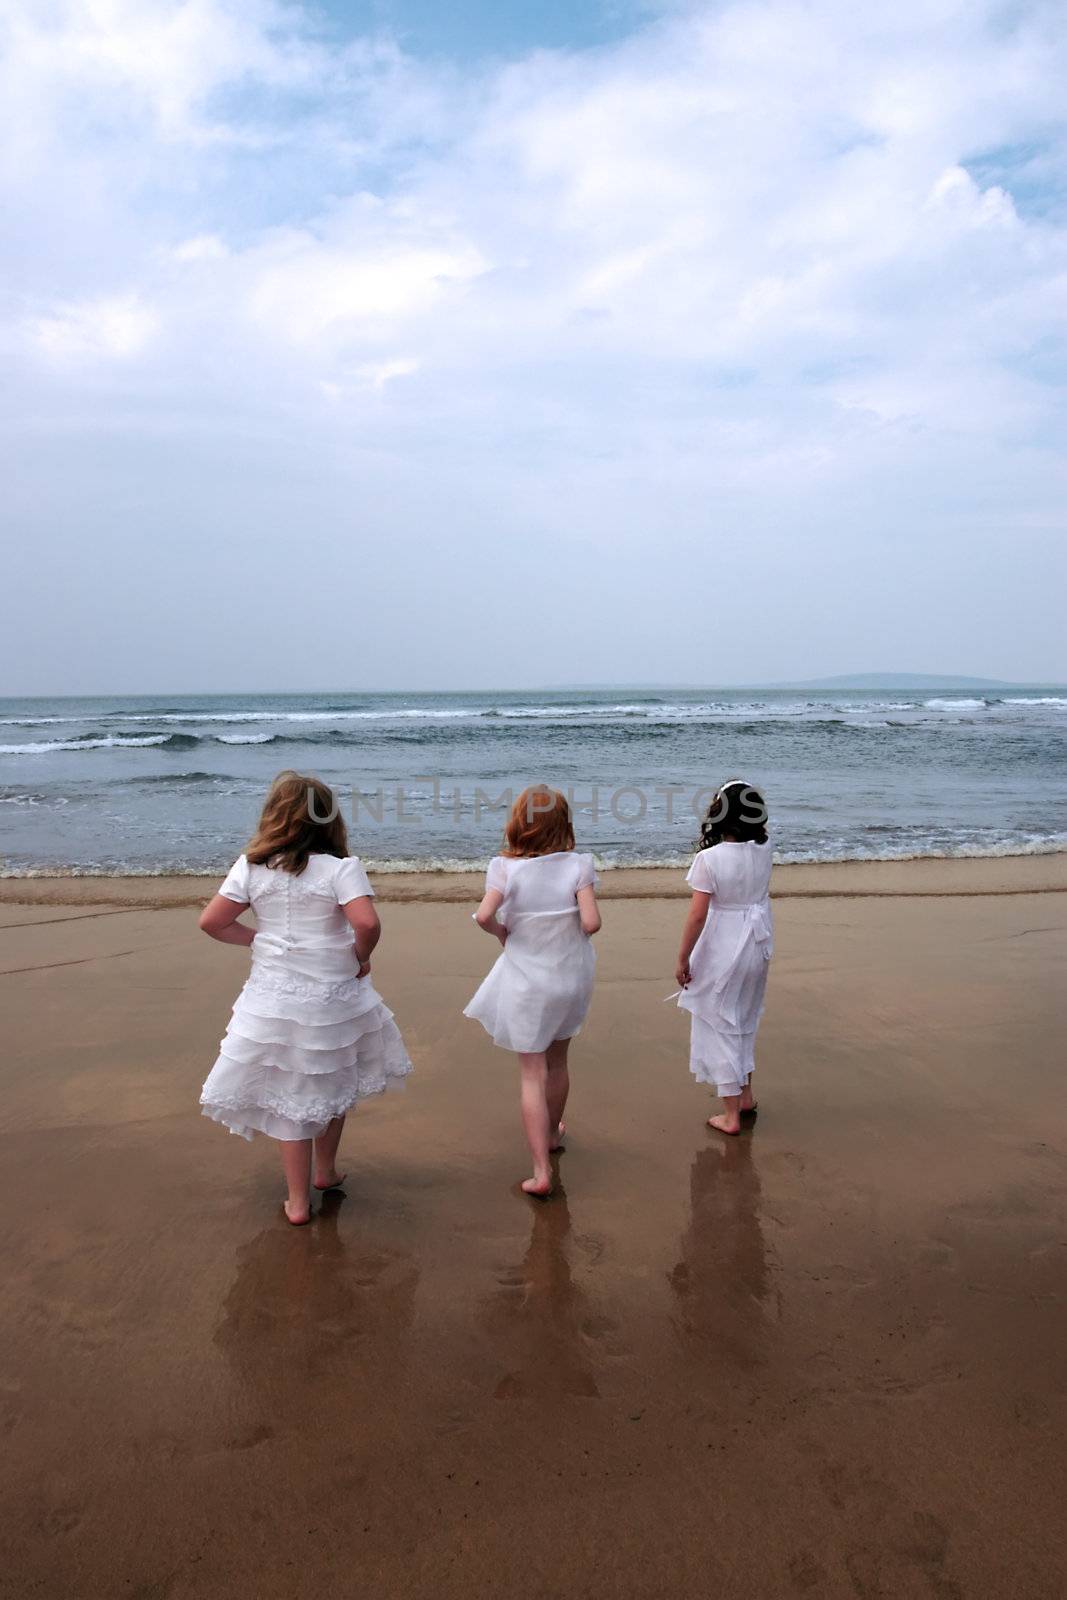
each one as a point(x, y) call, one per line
point(953, 705)
point(1054, 844)
point(225, 717)
point(119, 741)
point(1050, 845)
point(751, 709)
point(33, 800)
point(289, 716)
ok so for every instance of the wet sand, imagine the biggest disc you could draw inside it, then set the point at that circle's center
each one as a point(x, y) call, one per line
point(824, 1359)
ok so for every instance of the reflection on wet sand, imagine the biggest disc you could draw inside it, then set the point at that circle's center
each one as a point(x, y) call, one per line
point(539, 1319)
point(314, 1302)
point(722, 1282)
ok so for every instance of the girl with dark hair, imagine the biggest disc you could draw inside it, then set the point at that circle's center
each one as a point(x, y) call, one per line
point(309, 1035)
point(727, 943)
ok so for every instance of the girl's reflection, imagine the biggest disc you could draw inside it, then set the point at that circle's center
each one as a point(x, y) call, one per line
point(722, 1279)
point(310, 1307)
point(537, 1316)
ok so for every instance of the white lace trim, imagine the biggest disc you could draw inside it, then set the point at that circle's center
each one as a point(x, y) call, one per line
point(296, 886)
point(295, 1105)
point(321, 1109)
point(269, 984)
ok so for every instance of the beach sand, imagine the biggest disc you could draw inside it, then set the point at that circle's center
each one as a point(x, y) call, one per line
point(824, 1359)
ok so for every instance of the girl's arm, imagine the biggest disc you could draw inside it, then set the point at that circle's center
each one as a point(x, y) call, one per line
point(363, 920)
point(589, 911)
point(219, 921)
point(694, 927)
point(485, 916)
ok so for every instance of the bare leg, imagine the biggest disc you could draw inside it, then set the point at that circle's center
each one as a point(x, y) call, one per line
point(326, 1174)
point(534, 1070)
point(557, 1089)
point(296, 1162)
point(730, 1120)
point(748, 1099)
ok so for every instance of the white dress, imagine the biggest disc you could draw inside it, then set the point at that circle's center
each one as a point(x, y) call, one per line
point(729, 963)
point(541, 984)
point(308, 1038)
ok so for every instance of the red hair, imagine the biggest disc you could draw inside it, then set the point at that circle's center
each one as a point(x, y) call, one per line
point(539, 824)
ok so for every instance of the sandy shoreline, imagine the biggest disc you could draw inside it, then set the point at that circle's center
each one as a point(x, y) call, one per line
point(825, 1359)
point(1040, 874)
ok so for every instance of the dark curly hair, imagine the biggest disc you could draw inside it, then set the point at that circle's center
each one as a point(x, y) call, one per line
point(737, 811)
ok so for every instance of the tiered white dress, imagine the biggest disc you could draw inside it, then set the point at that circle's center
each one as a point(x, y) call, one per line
point(729, 963)
point(308, 1038)
point(541, 984)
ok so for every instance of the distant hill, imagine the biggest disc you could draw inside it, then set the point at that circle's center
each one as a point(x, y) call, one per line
point(896, 680)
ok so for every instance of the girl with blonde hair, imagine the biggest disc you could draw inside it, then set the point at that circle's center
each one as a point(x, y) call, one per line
point(309, 1035)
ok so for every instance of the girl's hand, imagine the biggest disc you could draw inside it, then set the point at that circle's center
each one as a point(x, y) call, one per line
point(682, 974)
point(364, 970)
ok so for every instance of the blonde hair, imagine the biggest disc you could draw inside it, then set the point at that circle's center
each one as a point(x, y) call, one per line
point(301, 818)
point(539, 824)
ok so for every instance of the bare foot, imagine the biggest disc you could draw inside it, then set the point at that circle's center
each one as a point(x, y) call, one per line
point(330, 1180)
point(748, 1106)
point(298, 1215)
point(555, 1140)
point(725, 1124)
point(540, 1188)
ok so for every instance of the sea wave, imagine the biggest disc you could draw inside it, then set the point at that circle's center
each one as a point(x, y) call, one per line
point(606, 861)
point(432, 713)
point(166, 779)
point(88, 741)
point(955, 705)
point(24, 798)
point(1048, 845)
point(511, 730)
point(115, 727)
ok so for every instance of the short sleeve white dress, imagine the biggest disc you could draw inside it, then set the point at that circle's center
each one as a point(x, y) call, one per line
point(541, 984)
point(729, 963)
point(307, 1038)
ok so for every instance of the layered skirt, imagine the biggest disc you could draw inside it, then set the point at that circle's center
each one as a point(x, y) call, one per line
point(301, 1049)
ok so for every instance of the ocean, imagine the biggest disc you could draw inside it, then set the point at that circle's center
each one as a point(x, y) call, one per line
point(173, 783)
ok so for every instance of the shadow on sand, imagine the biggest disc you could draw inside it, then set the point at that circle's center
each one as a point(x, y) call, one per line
point(311, 1310)
point(722, 1282)
point(538, 1318)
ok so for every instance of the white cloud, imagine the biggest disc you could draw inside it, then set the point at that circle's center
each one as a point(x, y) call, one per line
point(379, 373)
point(170, 56)
point(304, 289)
point(117, 328)
point(204, 247)
point(957, 193)
point(763, 263)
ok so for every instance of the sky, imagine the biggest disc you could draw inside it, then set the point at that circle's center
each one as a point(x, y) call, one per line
point(395, 344)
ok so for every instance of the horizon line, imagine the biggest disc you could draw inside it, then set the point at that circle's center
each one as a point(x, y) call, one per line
point(835, 680)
